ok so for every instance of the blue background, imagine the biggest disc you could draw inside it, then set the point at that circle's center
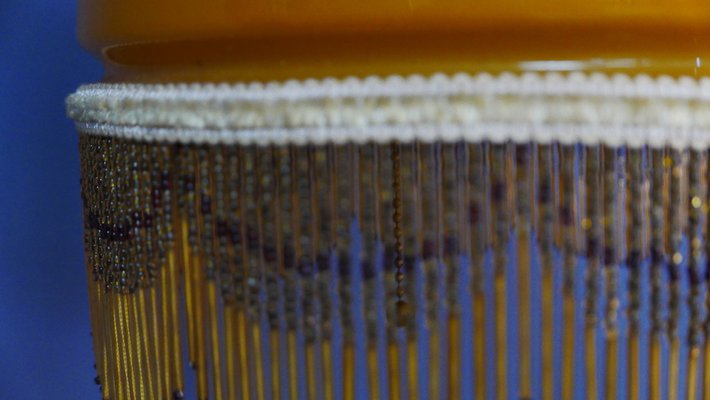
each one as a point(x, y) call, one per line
point(45, 347)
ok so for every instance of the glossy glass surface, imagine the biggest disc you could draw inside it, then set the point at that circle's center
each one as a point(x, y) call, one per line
point(244, 40)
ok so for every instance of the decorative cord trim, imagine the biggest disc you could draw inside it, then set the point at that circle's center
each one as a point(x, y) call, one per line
point(595, 108)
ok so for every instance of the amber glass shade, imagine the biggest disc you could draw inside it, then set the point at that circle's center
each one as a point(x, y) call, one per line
point(263, 40)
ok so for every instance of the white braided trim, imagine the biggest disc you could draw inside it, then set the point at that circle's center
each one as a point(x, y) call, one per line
point(596, 108)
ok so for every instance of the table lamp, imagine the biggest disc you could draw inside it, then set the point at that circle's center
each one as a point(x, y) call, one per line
point(397, 199)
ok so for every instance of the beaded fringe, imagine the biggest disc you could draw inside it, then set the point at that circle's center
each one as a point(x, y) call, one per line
point(417, 270)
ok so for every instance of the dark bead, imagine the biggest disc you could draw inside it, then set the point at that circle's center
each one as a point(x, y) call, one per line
point(399, 276)
point(222, 228)
point(427, 249)
point(657, 254)
point(694, 276)
point(157, 199)
point(673, 272)
point(235, 233)
point(634, 259)
point(344, 267)
point(148, 220)
point(165, 181)
point(592, 247)
point(368, 270)
point(408, 263)
point(188, 183)
point(544, 192)
point(125, 233)
point(305, 267)
point(322, 261)
point(474, 214)
point(206, 204)
point(209, 272)
point(634, 285)
point(94, 220)
point(269, 252)
point(609, 256)
point(252, 238)
point(288, 257)
point(497, 191)
point(566, 216)
point(397, 231)
point(398, 261)
point(397, 204)
point(451, 245)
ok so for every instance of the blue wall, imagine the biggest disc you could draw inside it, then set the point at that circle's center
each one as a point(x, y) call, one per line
point(45, 347)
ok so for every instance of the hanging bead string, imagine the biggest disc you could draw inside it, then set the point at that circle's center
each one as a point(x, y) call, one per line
point(658, 261)
point(697, 192)
point(594, 234)
point(402, 308)
point(636, 216)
